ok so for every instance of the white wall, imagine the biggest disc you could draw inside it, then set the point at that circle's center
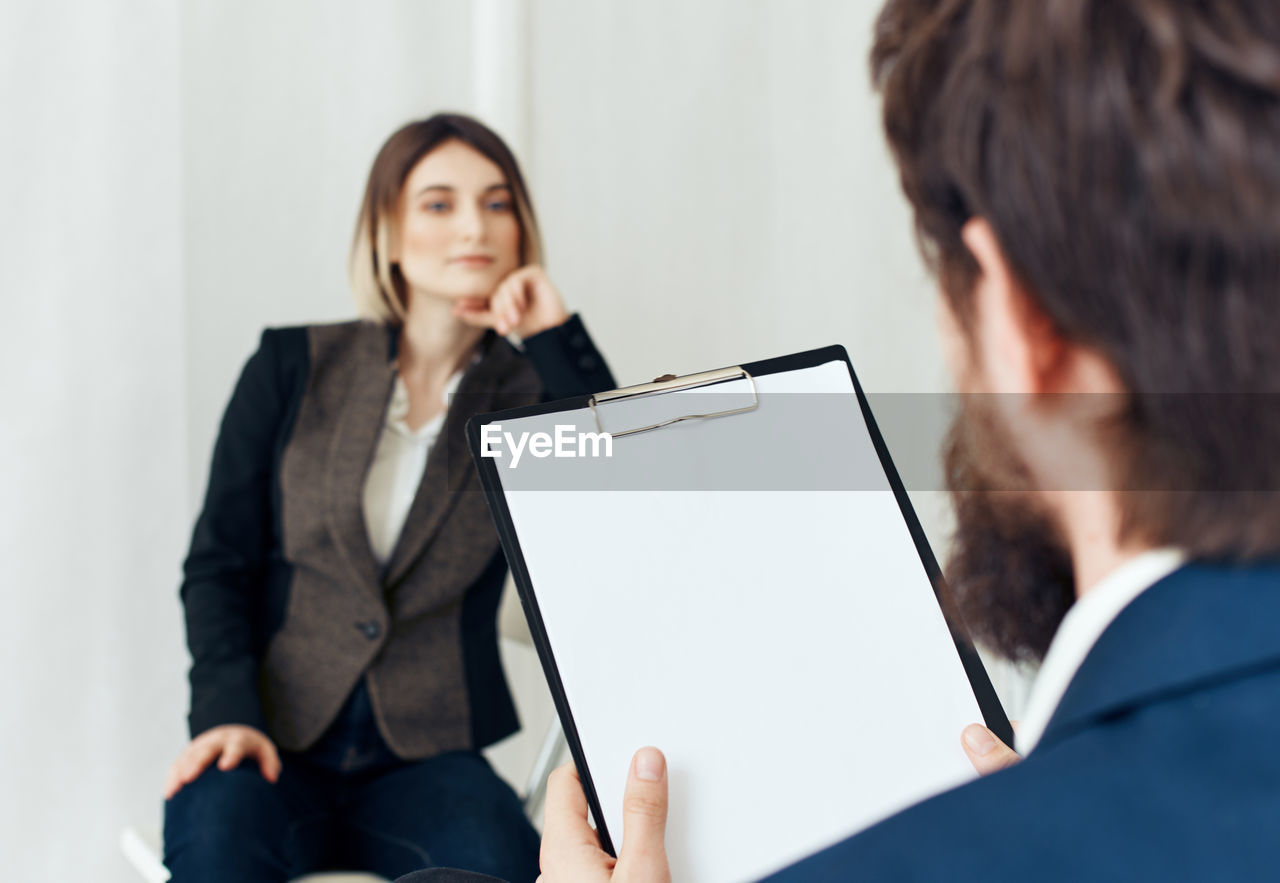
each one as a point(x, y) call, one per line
point(713, 188)
point(284, 105)
point(93, 444)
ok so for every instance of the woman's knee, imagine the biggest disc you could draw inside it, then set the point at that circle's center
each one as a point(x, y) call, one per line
point(225, 804)
point(227, 824)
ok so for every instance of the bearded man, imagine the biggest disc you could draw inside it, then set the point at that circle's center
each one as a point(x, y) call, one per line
point(1096, 184)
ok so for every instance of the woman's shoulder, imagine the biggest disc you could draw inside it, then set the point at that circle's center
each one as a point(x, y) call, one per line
point(351, 328)
point(288, 355)
point(323, 341)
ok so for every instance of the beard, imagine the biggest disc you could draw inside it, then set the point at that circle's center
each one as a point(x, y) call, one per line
point(1010, 578)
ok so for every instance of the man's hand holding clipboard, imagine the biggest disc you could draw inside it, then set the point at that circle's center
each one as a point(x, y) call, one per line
point(571, 849)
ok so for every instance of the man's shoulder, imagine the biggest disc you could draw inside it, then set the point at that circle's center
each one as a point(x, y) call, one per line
point(978, 831)
point(1176, 789)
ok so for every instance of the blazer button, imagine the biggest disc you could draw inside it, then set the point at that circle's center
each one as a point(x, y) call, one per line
point(578, 341)
point(370, 629)
point(588, 362)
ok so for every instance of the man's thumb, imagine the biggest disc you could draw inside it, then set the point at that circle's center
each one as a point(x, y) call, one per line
point(987, 753)
point(644, 806)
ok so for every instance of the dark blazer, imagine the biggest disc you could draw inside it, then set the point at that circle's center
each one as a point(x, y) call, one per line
point(1159, 764)
point(286, 608)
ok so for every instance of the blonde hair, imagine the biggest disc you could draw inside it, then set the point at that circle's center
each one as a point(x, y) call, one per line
point(376, 283)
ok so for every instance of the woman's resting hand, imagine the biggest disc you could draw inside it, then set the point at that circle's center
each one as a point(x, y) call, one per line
point(229, 744)
point(525, 303)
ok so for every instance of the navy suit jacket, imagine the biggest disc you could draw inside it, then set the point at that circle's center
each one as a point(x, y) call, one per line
point(1162, 761)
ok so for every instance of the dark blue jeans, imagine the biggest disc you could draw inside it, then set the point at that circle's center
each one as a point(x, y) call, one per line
point(448, 811)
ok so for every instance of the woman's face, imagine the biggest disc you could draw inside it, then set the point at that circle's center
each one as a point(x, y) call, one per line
point(459, 236)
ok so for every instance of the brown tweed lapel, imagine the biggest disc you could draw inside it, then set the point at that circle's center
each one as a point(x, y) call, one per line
point(351, 452)
point(449, 470)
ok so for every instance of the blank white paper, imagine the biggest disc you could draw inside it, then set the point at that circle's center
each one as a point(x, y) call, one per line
point(780, 643)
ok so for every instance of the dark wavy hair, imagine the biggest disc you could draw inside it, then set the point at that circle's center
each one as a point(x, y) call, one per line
point(1127, 155)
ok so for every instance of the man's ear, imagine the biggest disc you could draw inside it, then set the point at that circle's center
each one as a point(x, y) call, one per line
point(1015, 344)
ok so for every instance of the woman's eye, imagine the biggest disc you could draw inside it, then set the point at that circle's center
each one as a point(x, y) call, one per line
point(499, 206)
point(436, 207)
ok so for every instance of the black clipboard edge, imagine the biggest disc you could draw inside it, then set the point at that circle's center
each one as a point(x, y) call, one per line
point(984, 692)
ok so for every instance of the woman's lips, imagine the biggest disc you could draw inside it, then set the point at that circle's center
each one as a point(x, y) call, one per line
point(475, 261)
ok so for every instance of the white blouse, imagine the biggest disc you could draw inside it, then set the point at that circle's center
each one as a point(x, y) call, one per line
point(397, 469)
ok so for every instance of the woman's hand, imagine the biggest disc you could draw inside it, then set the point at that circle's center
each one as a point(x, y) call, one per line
point(229, 744)
point(986, 752)
point(524, 304)
point(571, 850)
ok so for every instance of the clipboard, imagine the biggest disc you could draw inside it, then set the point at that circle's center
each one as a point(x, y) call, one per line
point(700, 423)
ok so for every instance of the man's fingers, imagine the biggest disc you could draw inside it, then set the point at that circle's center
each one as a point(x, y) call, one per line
point(565, 817)
point(987, 753)
point(644, 808)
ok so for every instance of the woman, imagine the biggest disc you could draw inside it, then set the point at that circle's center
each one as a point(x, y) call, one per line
point(342, 586)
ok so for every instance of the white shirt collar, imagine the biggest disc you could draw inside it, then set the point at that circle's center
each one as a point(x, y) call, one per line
point(1084, 623)
point(398, 410)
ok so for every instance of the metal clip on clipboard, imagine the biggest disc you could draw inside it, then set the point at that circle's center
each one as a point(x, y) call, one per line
point(678, 384)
